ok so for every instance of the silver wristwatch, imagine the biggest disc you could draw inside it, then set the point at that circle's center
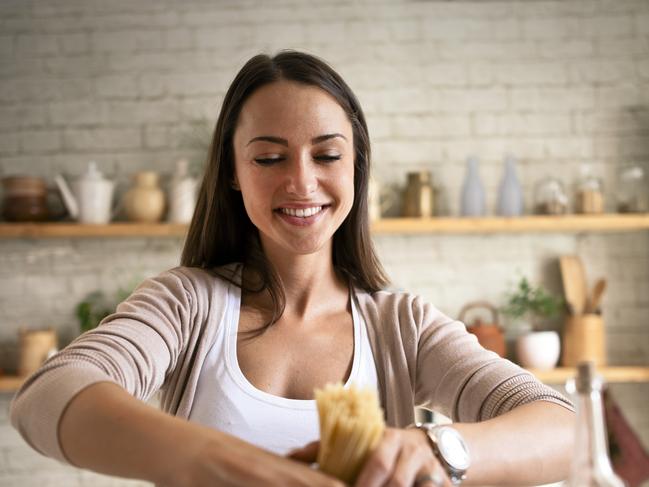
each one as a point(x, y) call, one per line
point(449, 448)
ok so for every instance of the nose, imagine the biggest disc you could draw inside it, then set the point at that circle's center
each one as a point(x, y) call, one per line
point(301, 177)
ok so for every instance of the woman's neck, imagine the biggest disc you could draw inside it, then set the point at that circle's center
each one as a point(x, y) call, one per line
point(311, 284)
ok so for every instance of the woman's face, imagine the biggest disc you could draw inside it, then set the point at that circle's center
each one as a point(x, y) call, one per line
point(294, 165)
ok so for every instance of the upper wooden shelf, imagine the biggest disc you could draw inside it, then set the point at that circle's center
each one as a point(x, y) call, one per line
point(386, 226)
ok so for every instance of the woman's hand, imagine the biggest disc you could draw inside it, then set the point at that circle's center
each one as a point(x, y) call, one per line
point(403, 458)
point(239, 464)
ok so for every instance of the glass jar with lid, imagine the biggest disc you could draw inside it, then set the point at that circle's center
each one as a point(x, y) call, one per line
point(550, 197)
point(590, 193)
point(632, 192)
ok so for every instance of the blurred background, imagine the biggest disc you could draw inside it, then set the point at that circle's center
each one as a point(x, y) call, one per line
point(560, 89)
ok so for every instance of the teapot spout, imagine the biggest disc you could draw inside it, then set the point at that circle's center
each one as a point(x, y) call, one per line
point(71, 203)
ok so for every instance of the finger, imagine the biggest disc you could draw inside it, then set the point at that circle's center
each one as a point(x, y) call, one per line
point(407, 468)
point(306, 454)
point(379, 465)
point(437, 478)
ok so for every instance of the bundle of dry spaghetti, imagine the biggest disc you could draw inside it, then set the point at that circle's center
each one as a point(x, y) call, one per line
point(351, 425)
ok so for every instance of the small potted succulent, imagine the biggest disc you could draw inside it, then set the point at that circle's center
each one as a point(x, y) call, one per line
point(530, 305)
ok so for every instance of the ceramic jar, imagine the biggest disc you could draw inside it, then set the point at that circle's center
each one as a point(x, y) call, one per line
point(25, 199)
point(419, 195)
point(144, 202)
point(182, 194)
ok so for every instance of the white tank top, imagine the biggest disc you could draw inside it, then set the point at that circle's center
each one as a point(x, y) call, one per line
point(226, 401)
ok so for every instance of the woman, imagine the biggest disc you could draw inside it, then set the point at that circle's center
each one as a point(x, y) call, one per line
point(280, 293)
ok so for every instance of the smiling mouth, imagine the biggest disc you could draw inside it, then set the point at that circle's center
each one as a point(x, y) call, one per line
point(302, 212)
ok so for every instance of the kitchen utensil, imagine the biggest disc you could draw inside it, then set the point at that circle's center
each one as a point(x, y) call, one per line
point(596, 296)
point(89, 197)
point(489, 335)
point(584, 339)
point(573, 276)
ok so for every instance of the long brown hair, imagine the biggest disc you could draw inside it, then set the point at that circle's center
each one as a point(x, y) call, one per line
point(221, 231)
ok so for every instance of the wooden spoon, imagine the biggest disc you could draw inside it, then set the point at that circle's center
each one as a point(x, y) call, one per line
point(574, 282)
point(596, 295)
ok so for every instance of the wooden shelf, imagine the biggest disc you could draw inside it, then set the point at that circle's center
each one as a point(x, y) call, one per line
point(10, 383)
point(490, 225)
point(76, 230)
point(560, 375)
point(386, 226)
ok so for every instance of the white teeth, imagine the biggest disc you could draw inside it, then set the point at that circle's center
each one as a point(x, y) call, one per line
point(301, 212)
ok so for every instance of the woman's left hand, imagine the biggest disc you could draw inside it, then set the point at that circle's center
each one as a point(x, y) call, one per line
point(403, 458)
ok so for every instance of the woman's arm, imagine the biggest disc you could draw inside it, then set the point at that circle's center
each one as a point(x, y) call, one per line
point(106, 430)
point(529, 445)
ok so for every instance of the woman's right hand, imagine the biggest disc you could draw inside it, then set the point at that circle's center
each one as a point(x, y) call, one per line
point(240, 464)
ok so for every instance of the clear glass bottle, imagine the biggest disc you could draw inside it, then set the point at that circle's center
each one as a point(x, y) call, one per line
point(591, 465)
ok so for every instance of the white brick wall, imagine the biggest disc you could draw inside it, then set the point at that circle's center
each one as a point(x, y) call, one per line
point(557, 82)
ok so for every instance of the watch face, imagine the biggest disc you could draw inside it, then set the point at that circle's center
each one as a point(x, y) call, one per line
point(453, 449)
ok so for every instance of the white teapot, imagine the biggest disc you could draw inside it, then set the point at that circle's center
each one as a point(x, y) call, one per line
point(91, 197)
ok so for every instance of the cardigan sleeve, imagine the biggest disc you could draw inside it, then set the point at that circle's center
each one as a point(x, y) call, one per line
point(462, 380)
point(136, 347)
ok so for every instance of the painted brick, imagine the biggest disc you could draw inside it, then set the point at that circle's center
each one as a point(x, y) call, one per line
point(101, 139)
point(40, 141)
point(130, 112)
point(551, 28)
point(78, 113)
point(469, 100)
point(608, 26)
point(76, 43)
point(36, 45)
point(179, 38)
point(118, 86)
point(601, 71)
point(9, 143)
point(553, 98)
point(526, 124)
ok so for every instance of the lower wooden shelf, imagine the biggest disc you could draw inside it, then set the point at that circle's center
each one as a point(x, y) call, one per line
point(559, 375)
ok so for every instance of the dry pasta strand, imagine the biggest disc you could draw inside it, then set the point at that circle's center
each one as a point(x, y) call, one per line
point(351, 426)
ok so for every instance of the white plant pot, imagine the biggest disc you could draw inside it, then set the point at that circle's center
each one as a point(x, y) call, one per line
point(538, 350)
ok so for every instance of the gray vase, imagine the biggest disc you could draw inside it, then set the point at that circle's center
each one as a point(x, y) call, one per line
point(472, 201)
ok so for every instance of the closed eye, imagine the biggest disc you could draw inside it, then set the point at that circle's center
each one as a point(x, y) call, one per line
point(267, 161)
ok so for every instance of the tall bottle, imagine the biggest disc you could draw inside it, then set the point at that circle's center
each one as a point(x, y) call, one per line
point(472, 201)
point(510, 192)
point(591, 465)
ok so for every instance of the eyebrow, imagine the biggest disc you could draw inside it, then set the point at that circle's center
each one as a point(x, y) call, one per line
point(284, 142)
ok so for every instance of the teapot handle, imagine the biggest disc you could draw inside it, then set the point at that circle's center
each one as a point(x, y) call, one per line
point(479, 304)
point(68, 198)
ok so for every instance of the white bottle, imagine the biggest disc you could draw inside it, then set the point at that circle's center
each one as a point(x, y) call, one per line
point(472, 201)
point(510, 193)
point(182, 194)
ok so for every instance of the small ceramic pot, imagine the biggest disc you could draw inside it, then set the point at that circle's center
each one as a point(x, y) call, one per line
point(538, 350)
point(145, 201)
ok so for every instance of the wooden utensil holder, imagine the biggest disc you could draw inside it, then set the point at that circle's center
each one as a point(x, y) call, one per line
point(34, 349)
point(584, 338)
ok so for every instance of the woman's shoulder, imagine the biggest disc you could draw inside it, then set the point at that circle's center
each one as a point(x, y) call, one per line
point(195, 281)
point(400, 304)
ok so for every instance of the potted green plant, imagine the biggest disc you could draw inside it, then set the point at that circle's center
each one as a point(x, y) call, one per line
point(532, 305)
point(96, 306)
